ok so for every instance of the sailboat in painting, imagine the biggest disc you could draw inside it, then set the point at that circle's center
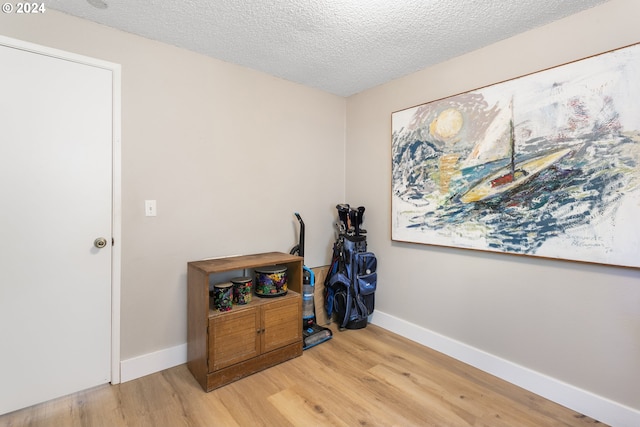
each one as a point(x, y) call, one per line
point(514, 174)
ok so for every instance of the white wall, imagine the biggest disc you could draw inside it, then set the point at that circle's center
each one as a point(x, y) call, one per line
point(228, 153)
point(576, 323)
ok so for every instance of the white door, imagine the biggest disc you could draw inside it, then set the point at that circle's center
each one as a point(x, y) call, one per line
point(55, 200)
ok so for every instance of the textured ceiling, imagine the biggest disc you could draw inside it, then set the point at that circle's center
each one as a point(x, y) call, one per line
point(339, 46)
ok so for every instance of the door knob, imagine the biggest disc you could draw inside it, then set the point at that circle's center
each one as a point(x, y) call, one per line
point(100, 242)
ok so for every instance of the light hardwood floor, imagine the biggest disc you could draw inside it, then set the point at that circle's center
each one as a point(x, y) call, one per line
point(367, 377)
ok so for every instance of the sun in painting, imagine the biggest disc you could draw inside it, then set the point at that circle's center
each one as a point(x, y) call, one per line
point(446, 127)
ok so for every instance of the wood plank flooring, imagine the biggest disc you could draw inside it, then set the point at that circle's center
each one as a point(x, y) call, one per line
point(366, 377)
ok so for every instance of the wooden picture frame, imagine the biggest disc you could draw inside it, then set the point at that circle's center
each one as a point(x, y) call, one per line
point(544, 164)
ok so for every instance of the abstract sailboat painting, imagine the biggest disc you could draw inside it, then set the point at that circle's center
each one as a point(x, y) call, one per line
point(547, 165)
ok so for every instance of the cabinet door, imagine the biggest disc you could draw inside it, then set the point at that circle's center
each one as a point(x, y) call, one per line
point(282, 323)
point(234, 337)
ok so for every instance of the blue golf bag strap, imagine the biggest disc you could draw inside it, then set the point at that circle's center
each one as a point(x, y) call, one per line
point(343, 280)
point(359, 306)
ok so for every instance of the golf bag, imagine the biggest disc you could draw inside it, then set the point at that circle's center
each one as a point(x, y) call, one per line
point(351, 282)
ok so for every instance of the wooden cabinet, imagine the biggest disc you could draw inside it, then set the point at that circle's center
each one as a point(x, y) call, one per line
point(226, 346)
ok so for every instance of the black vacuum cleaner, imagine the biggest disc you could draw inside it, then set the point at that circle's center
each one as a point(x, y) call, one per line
point(312, 333)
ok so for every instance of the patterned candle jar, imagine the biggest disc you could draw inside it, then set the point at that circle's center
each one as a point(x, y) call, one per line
point(271, 281)
point(242, 287)
point(223, 296)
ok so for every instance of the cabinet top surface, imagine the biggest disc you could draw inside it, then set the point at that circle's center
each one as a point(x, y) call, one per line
point(243, 261)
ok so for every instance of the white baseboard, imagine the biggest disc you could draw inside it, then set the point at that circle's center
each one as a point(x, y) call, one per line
point(150, 363)
point(582, 401)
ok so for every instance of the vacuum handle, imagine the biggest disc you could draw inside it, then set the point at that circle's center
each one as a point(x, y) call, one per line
point(301, 244)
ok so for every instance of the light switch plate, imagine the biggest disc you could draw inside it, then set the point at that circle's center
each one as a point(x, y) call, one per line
point(150, 208)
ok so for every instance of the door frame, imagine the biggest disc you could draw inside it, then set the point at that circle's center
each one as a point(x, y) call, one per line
point(116, 184)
